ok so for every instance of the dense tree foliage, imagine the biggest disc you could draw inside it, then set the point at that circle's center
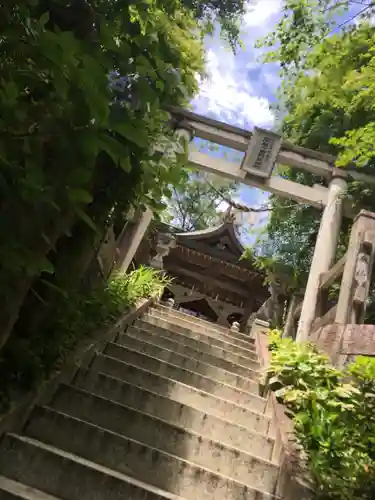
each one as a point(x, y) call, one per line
point(327, 103)
point(84, 93)
point(226, 12)
point(304, 24)
point(328, 106)
point(73, 149)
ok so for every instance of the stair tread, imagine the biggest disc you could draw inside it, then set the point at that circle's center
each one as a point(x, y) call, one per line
point(190, 325)
point(240, 392)
point(22, 491)
point(195, 389)
point(170, 410)
point(183, 339)
point(223, 339)
point(183, 462)
point(195, 355)
point(93, 465)
point(168, 310)
point(166, 400)
point(150, 417)
point(124, 347)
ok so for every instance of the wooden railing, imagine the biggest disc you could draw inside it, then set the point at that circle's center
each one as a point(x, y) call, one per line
point(337, 331)
point(355, 267)
point(327, 279)
point(327, 319)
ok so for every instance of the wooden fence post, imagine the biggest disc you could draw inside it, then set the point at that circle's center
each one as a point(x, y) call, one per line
point(356, 278)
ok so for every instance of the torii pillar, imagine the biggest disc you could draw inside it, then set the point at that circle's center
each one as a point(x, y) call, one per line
point(324, 254)
point(135, 238)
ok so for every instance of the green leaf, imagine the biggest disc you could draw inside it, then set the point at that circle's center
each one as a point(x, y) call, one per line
point(79, 195)
point(51, 49)
point(125, 163)
point(44, 19)
point(113, 147)
point(11, 93)
point(136, 135)
point(167, 193)
point(107, 36)
point(47, 267)
point(83, 215)
point(346, 391)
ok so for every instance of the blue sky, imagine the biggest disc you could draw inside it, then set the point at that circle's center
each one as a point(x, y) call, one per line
point(239, 89)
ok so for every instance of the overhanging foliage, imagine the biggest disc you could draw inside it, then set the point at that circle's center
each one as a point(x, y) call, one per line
point(84, 90)
point(327, 104)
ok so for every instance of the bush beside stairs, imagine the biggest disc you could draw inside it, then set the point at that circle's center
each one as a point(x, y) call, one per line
point(170, 410)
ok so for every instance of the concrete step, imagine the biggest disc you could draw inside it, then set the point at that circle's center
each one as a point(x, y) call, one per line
point(199, 362)
point(157, 360)
point(147, 461)
point(250, 361)
point(110, 378)
point(68, 476)
point(12, 490)
point(177, 316)
point(183, 326)
point(142, 410)
point(199, 341)
point(162, 309)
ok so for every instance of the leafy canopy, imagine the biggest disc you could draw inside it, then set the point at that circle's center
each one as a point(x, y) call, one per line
point(83, 95)
point(304, 25)
point(328, 106)
point(227, 13)
point(84, 91)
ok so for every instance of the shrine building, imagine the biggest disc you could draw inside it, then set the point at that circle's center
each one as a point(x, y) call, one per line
point(210, 280)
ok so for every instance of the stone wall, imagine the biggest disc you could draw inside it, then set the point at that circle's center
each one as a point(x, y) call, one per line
point(292, 482)
point(343, 342)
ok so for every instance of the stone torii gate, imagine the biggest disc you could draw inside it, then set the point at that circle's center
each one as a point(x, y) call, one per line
point(263, 149)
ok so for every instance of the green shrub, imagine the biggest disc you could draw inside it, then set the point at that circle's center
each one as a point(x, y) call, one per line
point(27, 361)
point(334, 416)
point(144, 282)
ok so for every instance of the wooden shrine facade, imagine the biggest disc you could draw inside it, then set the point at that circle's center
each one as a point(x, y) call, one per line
point(209, 279)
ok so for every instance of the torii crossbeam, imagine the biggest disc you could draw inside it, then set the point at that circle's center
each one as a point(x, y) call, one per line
point(317, 163)
point(263, 150)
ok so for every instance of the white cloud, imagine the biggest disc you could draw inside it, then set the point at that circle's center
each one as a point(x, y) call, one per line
point(259, 13)
point(222, 207)
point(237, 88)
point(228, 95)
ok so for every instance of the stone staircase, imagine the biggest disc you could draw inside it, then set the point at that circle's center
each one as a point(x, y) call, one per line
point(168, 411)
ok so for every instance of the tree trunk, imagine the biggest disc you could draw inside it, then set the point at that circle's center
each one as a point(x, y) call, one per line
point(39, 247)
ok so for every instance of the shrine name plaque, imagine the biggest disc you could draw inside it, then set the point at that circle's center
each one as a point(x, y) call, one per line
point(262, 152)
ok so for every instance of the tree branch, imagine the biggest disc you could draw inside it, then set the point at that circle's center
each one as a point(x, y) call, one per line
point(179, 207)
point(244, 208)
point(195, 222)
